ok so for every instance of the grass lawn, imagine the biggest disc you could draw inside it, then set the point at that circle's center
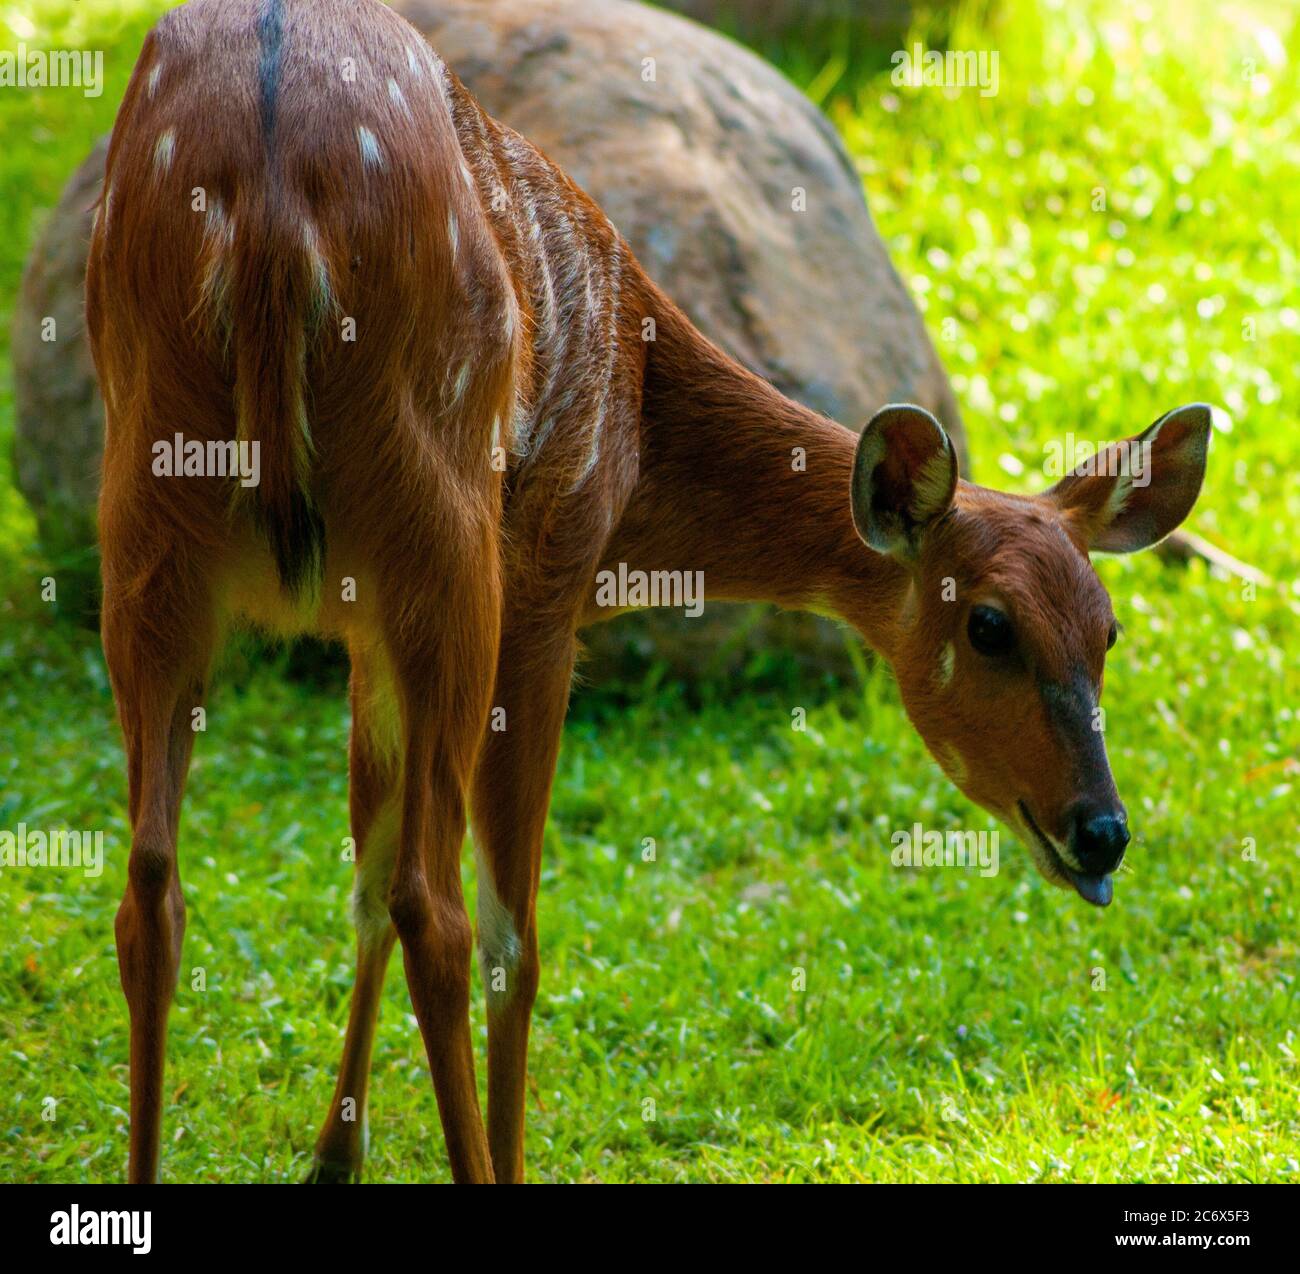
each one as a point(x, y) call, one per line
point(949, 1028)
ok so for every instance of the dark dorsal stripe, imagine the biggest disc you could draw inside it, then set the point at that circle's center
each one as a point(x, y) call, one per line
point(270, 33)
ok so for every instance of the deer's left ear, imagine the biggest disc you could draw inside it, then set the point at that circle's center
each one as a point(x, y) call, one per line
point(904, 476)
point(1134, 493)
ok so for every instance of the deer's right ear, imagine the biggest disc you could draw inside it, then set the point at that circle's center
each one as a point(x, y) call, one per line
point(904, 476)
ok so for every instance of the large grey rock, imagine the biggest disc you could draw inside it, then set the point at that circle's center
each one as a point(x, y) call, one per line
point(760, 19)
point(60, 418)
point(698, 164)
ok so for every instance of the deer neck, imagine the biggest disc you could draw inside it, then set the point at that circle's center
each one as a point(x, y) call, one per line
point(752, 489)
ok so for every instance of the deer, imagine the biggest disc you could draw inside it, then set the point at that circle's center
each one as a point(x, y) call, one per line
point(468, 400)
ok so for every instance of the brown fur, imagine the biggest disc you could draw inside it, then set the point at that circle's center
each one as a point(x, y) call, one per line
point(474, 331)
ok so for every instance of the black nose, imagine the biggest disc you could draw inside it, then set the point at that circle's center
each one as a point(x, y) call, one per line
point(1099, 840)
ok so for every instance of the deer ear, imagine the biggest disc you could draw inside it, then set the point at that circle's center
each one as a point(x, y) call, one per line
point(1132, 494)
point(904, 476)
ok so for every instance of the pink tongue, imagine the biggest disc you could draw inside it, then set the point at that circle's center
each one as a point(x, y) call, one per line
point(1098, 890)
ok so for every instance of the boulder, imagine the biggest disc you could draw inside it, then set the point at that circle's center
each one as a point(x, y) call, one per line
point(58, 412)
point(752, 20)
point(735, 193)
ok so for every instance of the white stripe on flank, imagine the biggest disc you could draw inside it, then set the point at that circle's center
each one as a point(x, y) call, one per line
point(573, 257)
point(518, 154)
point(607, 373)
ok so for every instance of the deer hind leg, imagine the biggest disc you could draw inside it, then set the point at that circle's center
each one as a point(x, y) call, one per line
point(512, 789)
point(158, 636)
point(374, 774)
point(443, 658)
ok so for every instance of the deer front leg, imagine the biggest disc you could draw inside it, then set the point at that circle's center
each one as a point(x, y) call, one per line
point(512, 790)
point(341, 1146)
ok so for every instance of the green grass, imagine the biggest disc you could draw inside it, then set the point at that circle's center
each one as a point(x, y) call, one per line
point(951, 1028)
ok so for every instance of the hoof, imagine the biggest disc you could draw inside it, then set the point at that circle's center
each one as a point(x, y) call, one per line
point(325, 1173)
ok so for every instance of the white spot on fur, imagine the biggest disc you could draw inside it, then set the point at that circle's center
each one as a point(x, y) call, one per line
point(152, 82)
point(395, 92)
point(462, 379)
point(371, 155)
point(163, 150)
point(453, 232)
point(413, 62)
point(947, 662)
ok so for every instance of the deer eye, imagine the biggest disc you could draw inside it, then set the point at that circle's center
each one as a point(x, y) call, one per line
point(990, 631)
point(1112, 637)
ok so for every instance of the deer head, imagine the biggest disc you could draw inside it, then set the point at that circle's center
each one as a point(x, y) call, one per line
point(1001, 649)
